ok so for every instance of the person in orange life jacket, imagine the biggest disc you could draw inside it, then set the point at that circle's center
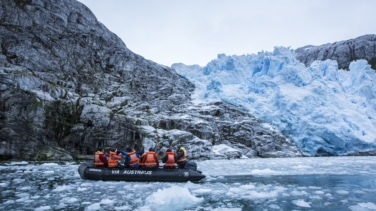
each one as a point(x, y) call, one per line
point(132, 158)
point(169, 159)
point(113, 158)
point(181, 157)
point(100, 159)
point(150, 159)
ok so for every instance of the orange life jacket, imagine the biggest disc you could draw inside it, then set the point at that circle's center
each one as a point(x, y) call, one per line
point(113, 159)
point(149, 159)
point(134, 159)
point(170, 160)
point(97, 161)
point(184, 158)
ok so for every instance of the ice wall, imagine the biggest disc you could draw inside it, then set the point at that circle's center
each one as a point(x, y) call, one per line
point(326, 110)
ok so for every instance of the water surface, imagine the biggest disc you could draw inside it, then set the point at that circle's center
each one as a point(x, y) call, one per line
point(335, 183)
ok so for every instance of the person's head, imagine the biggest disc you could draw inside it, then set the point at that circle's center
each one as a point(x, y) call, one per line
point(151, 149)
point(113, 150)
point(169, 150)
point(100, 150)
point(129, 149)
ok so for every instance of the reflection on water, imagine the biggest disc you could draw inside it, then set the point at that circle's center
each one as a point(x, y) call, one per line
point(53, 186)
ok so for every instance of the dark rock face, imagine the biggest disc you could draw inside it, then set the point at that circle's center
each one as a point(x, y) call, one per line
point(235, 127)
point(68, 86)
point(343, 52)
point(201, 127)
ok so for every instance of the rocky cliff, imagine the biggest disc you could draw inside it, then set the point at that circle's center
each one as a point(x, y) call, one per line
point(343, 52)
point(68, 86)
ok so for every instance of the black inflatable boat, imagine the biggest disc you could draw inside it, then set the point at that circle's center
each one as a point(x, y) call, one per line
point(90, 172)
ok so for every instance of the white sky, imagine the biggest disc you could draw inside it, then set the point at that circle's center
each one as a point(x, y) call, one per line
point(195, 31)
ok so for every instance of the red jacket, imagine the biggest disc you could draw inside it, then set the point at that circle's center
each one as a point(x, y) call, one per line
point(169, 159)
point(113, 159)
point(150, 159)
point(100, 159)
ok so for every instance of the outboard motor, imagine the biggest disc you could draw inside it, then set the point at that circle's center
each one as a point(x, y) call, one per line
point(191, 165)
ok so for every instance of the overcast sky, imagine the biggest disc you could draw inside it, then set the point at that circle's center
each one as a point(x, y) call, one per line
point(195, 31)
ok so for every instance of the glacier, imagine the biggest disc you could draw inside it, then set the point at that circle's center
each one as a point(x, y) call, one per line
point(325, 110)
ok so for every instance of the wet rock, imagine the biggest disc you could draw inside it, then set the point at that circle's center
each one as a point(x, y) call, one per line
point(53, 153)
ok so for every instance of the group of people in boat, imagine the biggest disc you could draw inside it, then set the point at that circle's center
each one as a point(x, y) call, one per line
point(140, 159)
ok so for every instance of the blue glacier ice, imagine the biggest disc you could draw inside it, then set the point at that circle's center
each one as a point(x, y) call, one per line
point(325, 110)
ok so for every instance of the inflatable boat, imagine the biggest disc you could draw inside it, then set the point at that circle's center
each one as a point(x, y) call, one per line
point(90, 172)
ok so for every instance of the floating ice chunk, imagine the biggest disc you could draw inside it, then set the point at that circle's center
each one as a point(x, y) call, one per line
point(363, 207)
point(61, 206)
point(250, 191)
point(17, 163)
point(263, 171)
point(25, 188)
point(342, 192)
point(81, 189)
point(301, 203)
point(262, 194)
point(86, 184)
point(177, 197)
point(62, 188)
point(319, 192)
point(43, 208)
point(203, 191)
point(9, 202)
point(71, 200)
point(298, 193)
point(274, 207)
point(302, 167)
point(122, 208)
point(95, 206)
point(18, 181)
point(107, 201)
point(49, 164)
point(368, 205)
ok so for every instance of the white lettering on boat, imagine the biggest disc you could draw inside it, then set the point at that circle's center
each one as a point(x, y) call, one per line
point(115, 171)
point(138, 172)
point(98, 170)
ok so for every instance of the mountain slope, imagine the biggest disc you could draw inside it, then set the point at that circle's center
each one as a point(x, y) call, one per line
point(344, 52)
point(69, 85)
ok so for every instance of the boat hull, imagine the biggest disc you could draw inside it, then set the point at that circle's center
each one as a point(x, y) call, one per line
point(90, 172)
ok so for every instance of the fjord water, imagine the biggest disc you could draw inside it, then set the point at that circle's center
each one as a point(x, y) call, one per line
point(316, 183)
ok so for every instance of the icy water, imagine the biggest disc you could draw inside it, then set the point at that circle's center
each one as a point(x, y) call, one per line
point(330, 183)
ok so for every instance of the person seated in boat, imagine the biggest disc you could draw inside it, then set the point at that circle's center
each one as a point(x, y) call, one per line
point(100, 159)
point(132, 158)
point(150, 159)
point(181, 157)
point(114, 158)
point(169, 160)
